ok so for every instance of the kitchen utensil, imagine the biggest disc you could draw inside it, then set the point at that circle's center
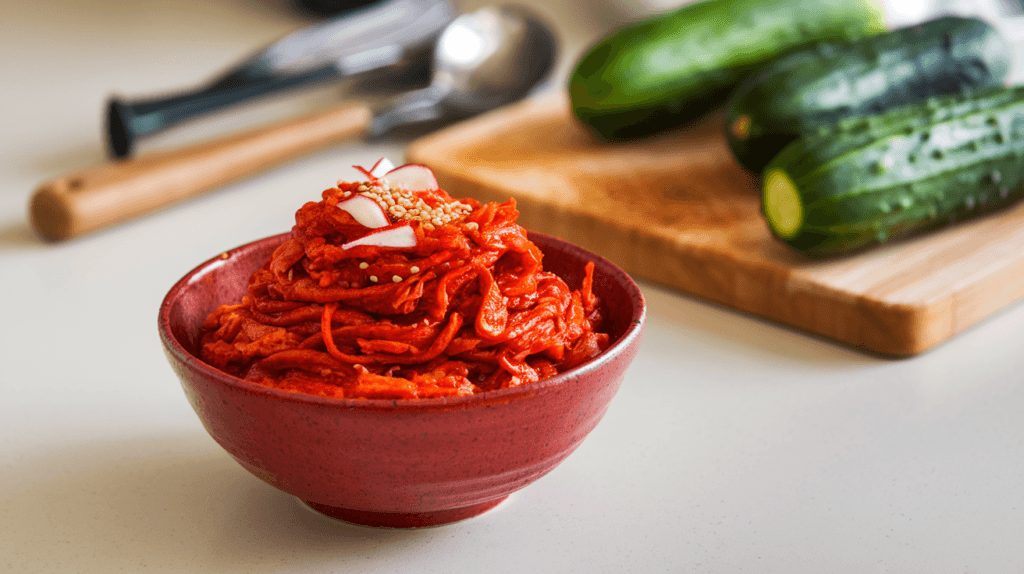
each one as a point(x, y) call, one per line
point(389, 36)
point(483, 59)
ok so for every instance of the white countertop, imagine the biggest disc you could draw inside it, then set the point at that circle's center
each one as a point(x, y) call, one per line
point(734, 445)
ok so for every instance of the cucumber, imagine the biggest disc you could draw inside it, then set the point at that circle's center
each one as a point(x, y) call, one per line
point(830, 80)
point(872, 179)
point(666, 70)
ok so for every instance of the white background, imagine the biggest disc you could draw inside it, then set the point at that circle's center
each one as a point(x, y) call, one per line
point(734, 445)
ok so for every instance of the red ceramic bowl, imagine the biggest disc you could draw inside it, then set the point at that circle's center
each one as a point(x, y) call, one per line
point(406, 463)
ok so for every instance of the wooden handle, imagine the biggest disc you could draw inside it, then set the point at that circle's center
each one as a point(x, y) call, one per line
point(116, 191)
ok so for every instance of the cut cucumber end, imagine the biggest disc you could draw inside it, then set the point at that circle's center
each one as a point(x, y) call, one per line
point(782, 205)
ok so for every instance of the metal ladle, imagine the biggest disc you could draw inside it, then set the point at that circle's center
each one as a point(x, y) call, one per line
point(484, 59)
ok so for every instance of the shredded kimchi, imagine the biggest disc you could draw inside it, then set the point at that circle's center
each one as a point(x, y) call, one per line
point(459, 304)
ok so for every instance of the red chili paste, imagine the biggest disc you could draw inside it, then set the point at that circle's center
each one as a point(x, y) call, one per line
point(468, 309)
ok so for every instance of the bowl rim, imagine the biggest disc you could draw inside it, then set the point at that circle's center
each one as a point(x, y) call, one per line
point(633, 331)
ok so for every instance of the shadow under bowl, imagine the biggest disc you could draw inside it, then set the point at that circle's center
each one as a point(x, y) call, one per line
point(399, 463)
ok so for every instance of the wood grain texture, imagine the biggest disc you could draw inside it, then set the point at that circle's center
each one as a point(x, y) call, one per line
point(678, 210)
point(116, 191)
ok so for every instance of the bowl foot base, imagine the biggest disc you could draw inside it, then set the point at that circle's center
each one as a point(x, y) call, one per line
point(403, 519)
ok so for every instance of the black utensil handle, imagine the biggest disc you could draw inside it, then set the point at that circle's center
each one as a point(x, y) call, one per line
point(128, 121)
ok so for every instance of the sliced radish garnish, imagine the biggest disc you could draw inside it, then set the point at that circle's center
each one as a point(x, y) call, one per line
point(382, 166)
point(378, 170)
point(412, 177)
point(352, 173)
point(398, 235)
point(366, 172)
point(365, 211)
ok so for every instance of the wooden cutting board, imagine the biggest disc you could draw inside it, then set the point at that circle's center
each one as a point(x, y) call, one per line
point(678, 210)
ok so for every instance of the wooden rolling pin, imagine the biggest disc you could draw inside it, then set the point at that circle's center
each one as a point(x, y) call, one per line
point(113, 192)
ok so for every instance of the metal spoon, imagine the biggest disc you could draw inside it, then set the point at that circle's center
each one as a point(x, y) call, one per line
point(483, 60)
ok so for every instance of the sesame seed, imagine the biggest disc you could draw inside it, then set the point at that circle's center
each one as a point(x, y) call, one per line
point(414, 269)
point(403, 205)
point(396, 279)
point(373, 278)
point(364, 265)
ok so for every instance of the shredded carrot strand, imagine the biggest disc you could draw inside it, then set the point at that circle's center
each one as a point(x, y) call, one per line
point(325, 332)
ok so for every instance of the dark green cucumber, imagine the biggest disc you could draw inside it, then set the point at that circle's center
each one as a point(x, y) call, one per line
point(831, 80)
point(896, 174)
point(666, 70)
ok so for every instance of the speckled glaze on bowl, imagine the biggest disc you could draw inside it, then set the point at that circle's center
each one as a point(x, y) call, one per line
point(408, 463)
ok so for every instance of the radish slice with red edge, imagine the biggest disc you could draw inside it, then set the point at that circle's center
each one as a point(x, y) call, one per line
point(398, 236)
point(378, 170)
point(365, 172)
point(412, 177)
point(382, 167)
point(365, 211)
